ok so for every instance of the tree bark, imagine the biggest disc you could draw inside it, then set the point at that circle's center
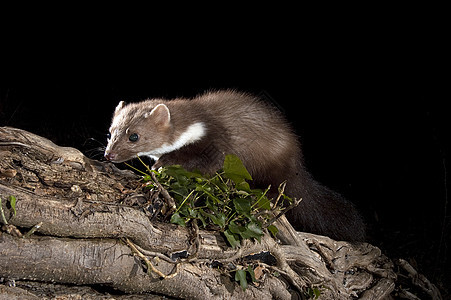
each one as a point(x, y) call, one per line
point(92, 233)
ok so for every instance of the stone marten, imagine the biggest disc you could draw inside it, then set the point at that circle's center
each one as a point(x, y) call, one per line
point(197, 134)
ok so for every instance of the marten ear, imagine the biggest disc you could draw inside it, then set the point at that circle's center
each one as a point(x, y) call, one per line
point(119, 106)
point(160, 114)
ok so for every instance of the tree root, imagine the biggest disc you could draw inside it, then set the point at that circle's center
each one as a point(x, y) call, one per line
point(80, 207)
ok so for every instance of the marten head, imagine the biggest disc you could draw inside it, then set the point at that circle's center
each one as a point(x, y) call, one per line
point(138, 129)
point(147, 128)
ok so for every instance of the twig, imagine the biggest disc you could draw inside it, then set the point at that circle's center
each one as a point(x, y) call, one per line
point(420, 280)
point(285, 274)
point(32, 230)
point(2, 213)
point(297, 281)
point(281, 191)
point(12, 230)
point(155, 254)
point(293, 205)
point(150, 266)
point(164, 192)
point(14, 144)
point(196, 243)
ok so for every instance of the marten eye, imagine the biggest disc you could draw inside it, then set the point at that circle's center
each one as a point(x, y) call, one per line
point(133, 137)
point(108, 135)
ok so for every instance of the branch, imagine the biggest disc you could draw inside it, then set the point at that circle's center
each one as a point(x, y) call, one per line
point(147, 261)
point(79, 205)
point(169, 200)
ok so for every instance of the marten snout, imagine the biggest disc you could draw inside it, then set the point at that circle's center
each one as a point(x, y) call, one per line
point(110, 156)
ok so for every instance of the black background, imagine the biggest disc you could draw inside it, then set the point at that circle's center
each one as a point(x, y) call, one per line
point(366, 106)
point(389, 159)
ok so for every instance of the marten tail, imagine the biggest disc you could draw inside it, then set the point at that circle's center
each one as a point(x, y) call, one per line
point(323, 211)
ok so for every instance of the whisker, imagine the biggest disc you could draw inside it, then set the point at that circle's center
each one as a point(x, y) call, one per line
point(93, 140)
point(96, 152)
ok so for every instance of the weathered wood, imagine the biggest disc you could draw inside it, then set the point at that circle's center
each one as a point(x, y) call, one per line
point(83, 207)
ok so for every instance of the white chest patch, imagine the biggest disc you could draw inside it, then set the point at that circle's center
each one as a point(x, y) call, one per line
point(192, 134)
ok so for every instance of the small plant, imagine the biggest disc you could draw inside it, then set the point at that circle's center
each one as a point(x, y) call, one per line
point(224, 202)
point(12, 204)
point(241, 276)
point(313, 293)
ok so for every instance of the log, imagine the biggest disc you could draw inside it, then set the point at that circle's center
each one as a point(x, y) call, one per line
point(92, 233)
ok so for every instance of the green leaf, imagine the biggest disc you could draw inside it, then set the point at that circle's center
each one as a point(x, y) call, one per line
point(240, 276)
point(263, 201)
point(180, 174)
point(192, 212)
point(147, 178)
point(220, 184)
point(235, 170)
point(317, 293)
point(201, 217)
point(12, 202)
point(179, 189)
point(233, 240)
point(243, 206)
point(218, 218)
point(273, 229)
point(243, 186)
point(313, 293)
point(250, 270)
point(176, 219)
point(235, 228)
point(208, 191)
point(253, 230)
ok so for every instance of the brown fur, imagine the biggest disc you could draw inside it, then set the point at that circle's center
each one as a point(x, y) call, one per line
point(241, 124)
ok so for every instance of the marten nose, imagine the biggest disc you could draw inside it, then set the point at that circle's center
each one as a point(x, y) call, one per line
point(110, 155)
